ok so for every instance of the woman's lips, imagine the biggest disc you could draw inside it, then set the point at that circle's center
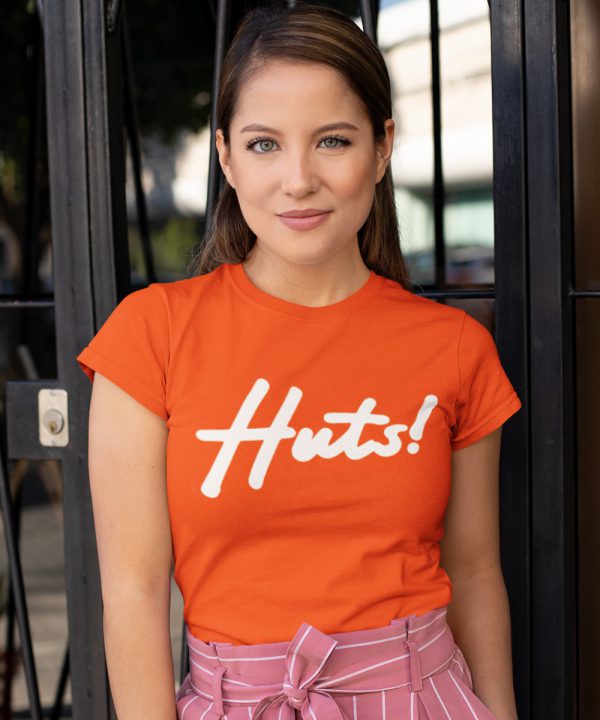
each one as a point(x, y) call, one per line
point(304, 223)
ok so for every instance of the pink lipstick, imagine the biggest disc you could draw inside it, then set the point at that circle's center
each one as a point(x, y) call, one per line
point(304, 219)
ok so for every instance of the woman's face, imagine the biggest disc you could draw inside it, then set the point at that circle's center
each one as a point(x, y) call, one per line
point(301, 141)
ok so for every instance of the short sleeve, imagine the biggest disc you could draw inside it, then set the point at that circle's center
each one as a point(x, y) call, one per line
point(486, 398)
point(131, 348)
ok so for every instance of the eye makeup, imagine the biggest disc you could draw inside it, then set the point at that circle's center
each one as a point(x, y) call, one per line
point(255, 141)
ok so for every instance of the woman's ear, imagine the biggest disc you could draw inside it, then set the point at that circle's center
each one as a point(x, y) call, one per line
point(385, 147)
point(224, 155)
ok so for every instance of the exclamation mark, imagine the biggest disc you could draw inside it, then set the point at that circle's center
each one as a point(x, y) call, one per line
point(416, 429)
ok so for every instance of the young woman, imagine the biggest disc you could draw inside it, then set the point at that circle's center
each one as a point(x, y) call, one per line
point(314, 446)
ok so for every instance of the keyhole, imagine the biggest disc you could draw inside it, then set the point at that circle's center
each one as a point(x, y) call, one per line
point(53, 421)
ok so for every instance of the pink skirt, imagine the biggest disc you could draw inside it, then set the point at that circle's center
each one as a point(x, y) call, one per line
point(410, 669)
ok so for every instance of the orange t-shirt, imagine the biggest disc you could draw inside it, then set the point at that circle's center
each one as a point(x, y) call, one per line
point(309, 448)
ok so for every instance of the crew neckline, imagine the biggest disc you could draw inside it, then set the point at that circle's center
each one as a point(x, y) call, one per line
point(365, 292)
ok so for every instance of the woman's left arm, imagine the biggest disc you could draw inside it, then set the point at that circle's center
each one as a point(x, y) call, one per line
point(478, 613)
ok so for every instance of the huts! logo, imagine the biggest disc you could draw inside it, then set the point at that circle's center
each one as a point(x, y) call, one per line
point(308, 443)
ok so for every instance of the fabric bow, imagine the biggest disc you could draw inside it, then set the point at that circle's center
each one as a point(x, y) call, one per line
point(305, 659)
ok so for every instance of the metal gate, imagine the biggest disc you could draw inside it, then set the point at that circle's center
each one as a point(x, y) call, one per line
point(89, 106)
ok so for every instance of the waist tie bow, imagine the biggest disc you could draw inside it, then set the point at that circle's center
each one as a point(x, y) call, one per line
point(304, 688)
point(304, 659)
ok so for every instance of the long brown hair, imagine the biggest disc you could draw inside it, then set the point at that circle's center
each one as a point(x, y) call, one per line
point(306, 33)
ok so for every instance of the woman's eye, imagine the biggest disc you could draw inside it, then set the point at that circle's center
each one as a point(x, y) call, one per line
point(264, 144)
point(333, 142)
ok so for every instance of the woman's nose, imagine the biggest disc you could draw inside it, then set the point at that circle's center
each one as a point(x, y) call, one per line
point(299, 174)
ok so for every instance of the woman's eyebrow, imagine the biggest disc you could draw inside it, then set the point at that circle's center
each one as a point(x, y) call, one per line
point(255, 127)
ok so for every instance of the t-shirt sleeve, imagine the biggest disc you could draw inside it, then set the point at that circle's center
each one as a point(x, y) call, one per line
point(131, 348)
point(486, 398)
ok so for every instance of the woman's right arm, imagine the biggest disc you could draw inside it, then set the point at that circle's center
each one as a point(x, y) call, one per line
point(127, 467)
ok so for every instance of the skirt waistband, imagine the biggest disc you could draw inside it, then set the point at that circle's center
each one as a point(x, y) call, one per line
point(304, 673)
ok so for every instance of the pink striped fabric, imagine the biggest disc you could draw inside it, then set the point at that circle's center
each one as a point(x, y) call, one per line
point(410, 669)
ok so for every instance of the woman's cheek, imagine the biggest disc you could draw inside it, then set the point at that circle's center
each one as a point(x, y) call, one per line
point(355, 180)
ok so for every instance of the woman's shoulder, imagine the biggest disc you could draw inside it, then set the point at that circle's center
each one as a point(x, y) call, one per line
point(182, 297)
point(409, 306)
point(190, 287)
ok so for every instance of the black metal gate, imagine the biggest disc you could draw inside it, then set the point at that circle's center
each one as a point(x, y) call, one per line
point(90, 111)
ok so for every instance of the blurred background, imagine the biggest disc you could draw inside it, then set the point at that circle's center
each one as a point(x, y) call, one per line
point(170, 60)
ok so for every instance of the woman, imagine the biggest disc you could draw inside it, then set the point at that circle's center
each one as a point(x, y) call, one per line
point(285, 423)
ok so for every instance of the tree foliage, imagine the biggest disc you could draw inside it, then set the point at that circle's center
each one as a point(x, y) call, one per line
point(18, 27)
point(173, 48)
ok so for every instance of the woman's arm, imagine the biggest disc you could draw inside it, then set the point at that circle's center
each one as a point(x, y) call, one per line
point(127, 464)
point(478, 614)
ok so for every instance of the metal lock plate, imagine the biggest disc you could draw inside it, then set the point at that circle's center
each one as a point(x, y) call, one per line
point(53, 417)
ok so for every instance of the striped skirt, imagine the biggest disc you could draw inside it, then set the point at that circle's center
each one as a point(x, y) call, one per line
point(410, 669)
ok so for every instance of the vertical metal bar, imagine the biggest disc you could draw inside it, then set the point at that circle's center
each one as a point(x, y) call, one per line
point(131, 125)
point(554, 677)
point(10, 657)
point(10, 650)
point(102, 79)
point(56, 711)
point(184, 667)
point(32, 219)
point(184, 659)
point(222, 32)
point(438, 169)
point(113, 15)
point(108, 274)
point(18, 592)
point(103, 66)
point(70, 193)
point(512, 331)
point(368, 17)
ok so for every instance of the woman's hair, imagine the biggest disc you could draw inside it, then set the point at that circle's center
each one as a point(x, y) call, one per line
point(314, 34)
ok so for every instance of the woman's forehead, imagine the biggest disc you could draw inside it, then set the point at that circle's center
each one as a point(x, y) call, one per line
point(280, 89)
